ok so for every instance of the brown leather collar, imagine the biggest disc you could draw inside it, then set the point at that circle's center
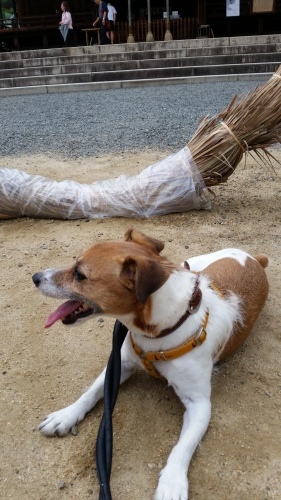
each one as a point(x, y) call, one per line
point(192, 307)
point(149, 357)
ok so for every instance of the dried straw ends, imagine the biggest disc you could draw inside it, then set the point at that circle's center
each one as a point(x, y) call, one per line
point(250, 123)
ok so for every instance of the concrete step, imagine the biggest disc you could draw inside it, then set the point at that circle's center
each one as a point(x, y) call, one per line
point(141, 74)
point(125, 84)
point(136, 64)
point(78, 58)
point(204, 43)
point(169, 62)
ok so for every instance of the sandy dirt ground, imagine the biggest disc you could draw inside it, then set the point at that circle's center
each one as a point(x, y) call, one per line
point(44, 370)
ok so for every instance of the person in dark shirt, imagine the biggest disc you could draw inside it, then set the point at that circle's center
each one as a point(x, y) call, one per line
point(102, 20)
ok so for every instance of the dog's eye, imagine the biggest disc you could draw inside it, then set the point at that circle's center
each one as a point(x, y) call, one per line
point(79, 276)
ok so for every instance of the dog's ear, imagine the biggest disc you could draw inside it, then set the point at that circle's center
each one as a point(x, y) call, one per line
point(142, 239)
point(144, 275)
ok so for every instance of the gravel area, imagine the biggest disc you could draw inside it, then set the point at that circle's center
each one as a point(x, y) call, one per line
point(78, 125)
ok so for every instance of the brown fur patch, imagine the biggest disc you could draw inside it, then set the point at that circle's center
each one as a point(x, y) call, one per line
point(248, 282)
point(142, 239)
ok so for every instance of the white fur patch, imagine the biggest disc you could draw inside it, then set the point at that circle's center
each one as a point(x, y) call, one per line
point(201, 261)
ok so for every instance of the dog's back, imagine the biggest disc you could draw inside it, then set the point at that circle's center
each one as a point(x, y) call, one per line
point(248, 281)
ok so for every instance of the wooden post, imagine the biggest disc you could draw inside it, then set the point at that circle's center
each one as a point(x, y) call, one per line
point(130, 38)
point(201, 12)
point(149, 35)
point(168, 34)
point(20, 8)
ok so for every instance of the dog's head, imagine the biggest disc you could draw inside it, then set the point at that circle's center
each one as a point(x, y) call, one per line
point(113, 278)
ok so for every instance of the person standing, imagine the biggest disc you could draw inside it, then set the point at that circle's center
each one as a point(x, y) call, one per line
point(102, 20)
point(112, 13)
point(66, 27)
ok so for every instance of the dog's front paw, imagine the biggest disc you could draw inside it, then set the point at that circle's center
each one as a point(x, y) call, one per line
point(173, 485)
point(60, 422)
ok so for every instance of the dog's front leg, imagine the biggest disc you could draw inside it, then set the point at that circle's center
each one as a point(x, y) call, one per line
point(173, 482)
point(62, 421)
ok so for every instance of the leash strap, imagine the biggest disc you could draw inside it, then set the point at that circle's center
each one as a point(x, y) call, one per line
point(104, 442)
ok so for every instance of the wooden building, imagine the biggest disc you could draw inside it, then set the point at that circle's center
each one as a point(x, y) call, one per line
point(144, 19)
point(257, 17)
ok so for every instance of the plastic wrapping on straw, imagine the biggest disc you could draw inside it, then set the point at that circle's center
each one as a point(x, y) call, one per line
point(171, 185)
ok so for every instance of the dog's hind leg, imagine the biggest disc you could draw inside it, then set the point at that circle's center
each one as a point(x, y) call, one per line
point(62, 421)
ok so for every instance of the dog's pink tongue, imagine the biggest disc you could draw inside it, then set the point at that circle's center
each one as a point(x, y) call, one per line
point(62, 311)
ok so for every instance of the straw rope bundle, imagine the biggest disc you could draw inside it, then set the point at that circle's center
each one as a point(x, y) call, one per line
point(250, 123)
point(176, 184)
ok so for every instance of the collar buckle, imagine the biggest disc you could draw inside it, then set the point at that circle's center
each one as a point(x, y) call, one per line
point(162, 354)
point(201, 337)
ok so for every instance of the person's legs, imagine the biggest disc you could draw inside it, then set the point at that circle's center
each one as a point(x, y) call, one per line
point(112, 32)
point(103, 37)
point(69, 38)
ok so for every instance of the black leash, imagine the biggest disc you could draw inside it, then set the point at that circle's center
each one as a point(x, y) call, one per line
point(105, 435)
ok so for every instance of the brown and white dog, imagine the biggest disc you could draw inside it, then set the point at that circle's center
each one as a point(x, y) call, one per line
point(182, 320)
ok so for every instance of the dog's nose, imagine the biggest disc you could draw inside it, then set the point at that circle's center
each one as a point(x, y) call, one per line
point(37, 278)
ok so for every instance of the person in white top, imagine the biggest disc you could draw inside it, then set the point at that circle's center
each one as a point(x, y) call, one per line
point(66, 27)
point(112, 13)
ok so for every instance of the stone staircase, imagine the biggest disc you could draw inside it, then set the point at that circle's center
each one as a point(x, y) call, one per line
point(148, 63)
